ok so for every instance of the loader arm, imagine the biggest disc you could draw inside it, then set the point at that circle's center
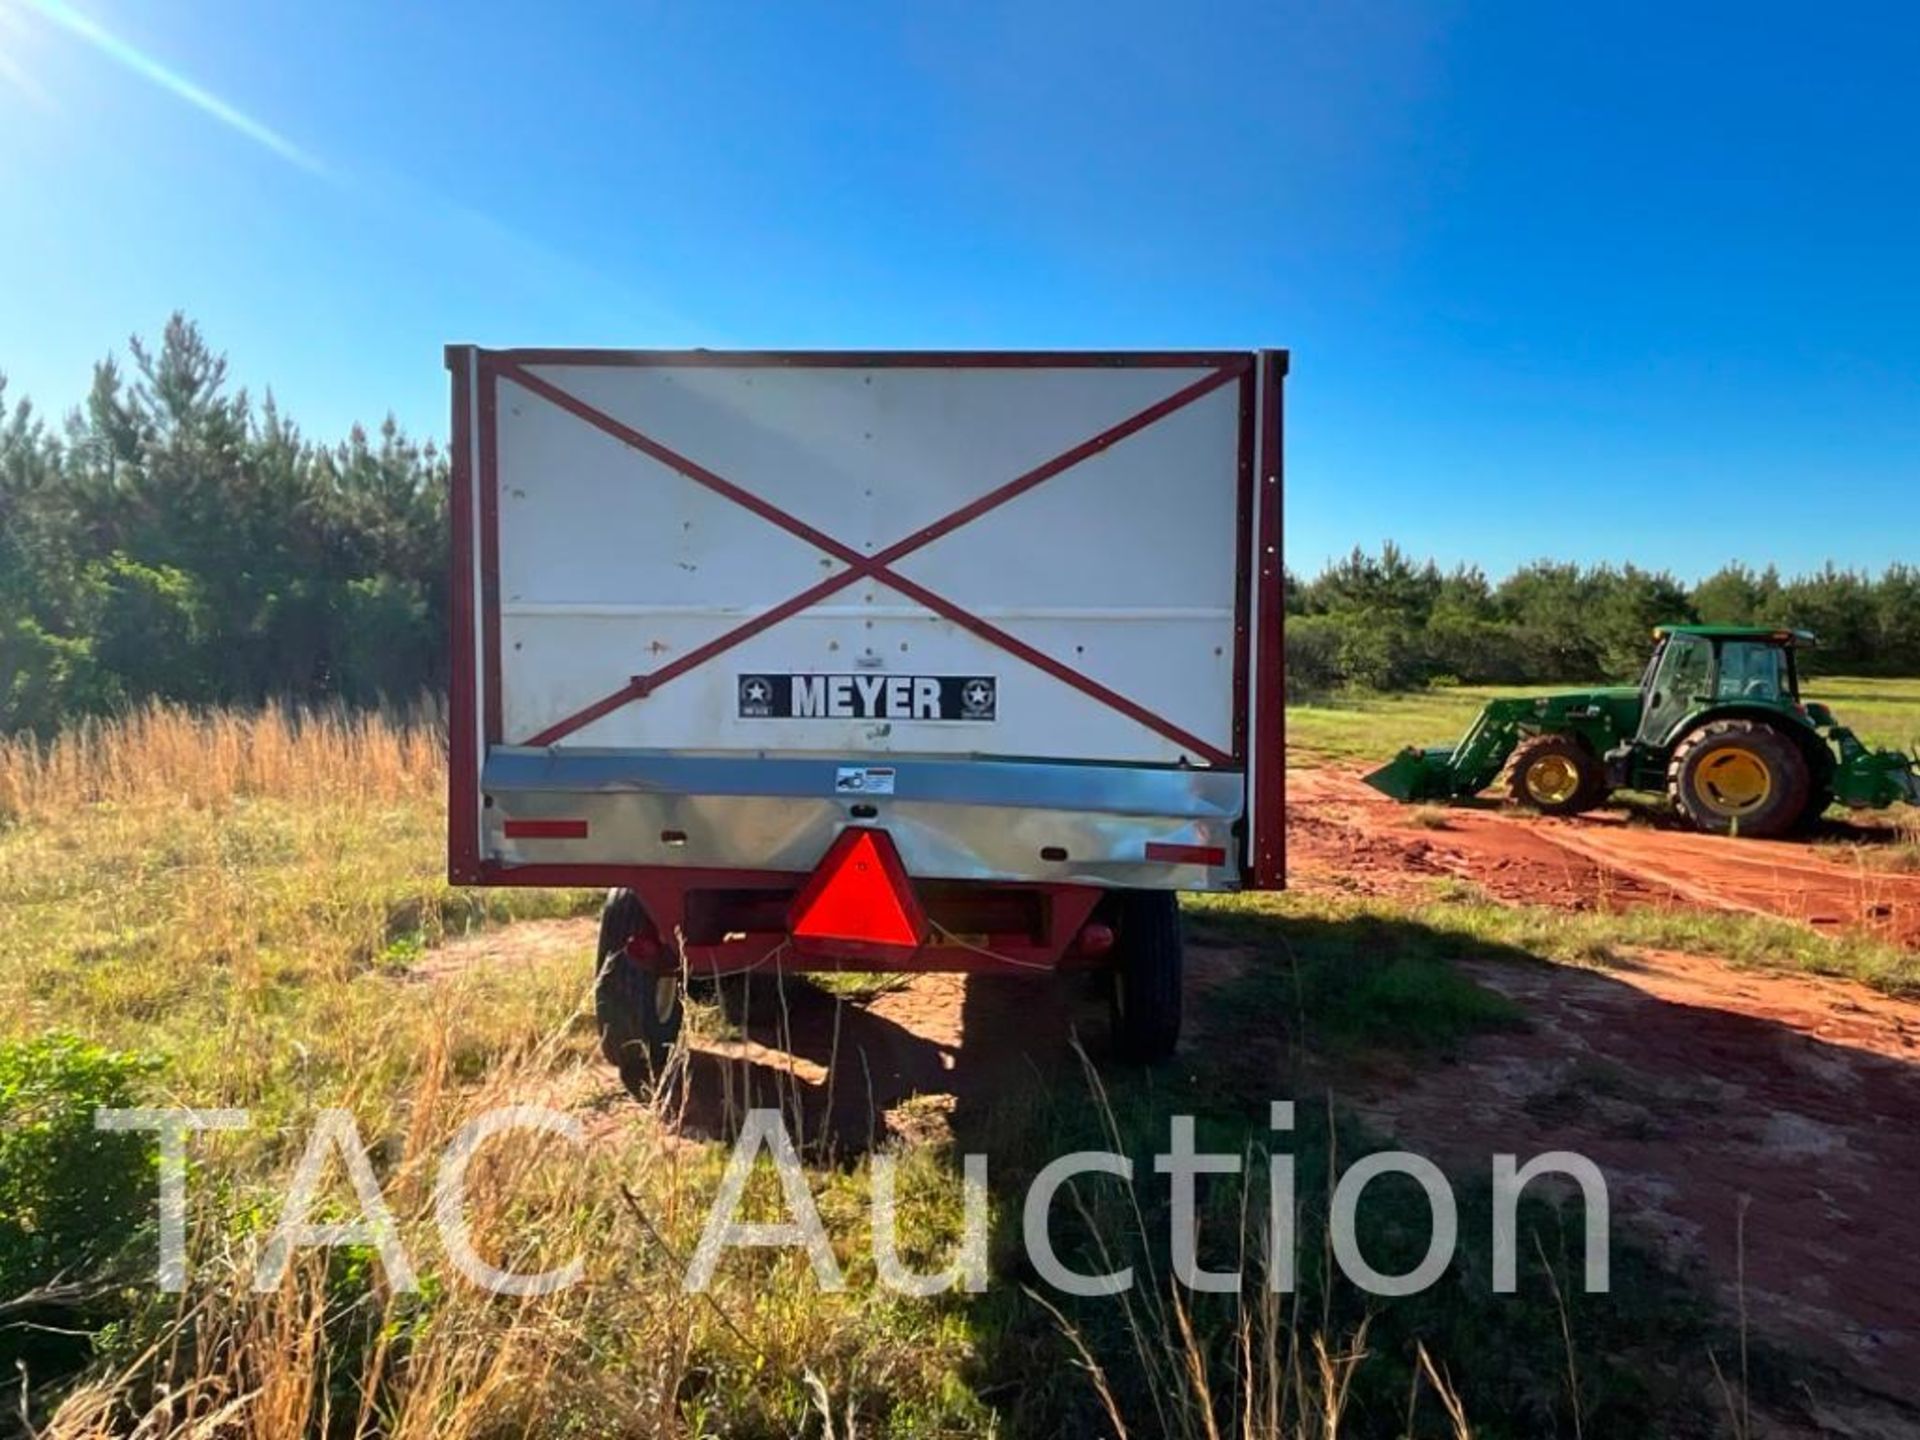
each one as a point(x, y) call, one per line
point(1465, 769)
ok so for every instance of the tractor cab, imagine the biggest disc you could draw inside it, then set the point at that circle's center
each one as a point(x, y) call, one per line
point(1696, 667)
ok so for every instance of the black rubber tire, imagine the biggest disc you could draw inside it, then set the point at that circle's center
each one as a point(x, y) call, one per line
point(1591, 790)
point(1822, 773)
point(1792, 783)
point(639, 1008)
point(1148, 960)
point(1820, 799)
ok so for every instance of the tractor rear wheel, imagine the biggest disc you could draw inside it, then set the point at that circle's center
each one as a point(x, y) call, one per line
point(638, 1006)
point(1740, 777)
point(1556, 775)
point(1819, 801)
point(1147, 963)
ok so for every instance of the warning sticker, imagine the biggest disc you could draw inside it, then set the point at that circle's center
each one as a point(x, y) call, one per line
point(863, 780)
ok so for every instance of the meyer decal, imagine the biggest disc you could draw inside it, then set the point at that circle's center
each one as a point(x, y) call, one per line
point(867, 697)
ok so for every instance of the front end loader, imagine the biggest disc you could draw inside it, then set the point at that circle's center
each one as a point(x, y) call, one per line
point(1717, 724)
point(1597, 719)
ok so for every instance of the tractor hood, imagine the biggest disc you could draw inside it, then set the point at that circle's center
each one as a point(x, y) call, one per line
point(1621, 702)
point(1603, 695)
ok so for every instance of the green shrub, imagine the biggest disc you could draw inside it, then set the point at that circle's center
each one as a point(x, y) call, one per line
point(1313, 654)
point(69, 1195)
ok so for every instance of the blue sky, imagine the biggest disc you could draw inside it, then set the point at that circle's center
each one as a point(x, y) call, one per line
point(1599, 282)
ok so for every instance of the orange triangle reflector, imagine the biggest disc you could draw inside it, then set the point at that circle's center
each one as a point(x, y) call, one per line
point(860, 900)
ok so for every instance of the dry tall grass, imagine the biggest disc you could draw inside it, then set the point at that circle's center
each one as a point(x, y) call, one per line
point(1909, 849)
point(627, 1354)
point(214, 886)
point(174, 755)
point(246, 897)
point(335, 1351)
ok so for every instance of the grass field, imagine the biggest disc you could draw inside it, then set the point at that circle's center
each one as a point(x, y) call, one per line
point(238, 911)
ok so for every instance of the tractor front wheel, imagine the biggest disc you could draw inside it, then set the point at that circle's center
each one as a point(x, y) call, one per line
point(1740, 777)
point(1556, 775)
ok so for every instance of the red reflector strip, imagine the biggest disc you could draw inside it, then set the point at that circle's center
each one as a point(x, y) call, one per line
point(1186, 854)
point(545, 829)
point(861, 894)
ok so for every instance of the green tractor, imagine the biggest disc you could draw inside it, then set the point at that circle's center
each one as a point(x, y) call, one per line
point(1716, 723)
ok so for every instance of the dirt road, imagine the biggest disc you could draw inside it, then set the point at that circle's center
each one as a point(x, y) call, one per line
point(1343, 835)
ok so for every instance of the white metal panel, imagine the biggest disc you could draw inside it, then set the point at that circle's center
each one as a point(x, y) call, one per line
point(1123, 567)
point(1142, 540)
point(866, 454)
point(586, 520)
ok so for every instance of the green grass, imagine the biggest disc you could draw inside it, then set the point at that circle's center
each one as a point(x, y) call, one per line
point(1460, 921)
point(1368, 975)
point(1368, 726)
point(256, 946)
point(1884, 712)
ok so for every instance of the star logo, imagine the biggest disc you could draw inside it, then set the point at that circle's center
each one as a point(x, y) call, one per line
point(756, 697)
point(976, 696)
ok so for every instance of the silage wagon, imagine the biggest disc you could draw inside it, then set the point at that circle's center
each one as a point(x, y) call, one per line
point(914, 661)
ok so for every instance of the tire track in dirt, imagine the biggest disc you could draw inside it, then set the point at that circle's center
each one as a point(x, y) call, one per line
point(1756, 877)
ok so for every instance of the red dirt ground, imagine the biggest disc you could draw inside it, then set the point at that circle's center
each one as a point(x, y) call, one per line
point(1763, 1126)
point(1344, 835)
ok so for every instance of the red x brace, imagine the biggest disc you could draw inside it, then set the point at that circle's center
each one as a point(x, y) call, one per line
point(876, 567)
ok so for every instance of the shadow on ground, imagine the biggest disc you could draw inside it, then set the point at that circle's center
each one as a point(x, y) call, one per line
point(1730, 1142)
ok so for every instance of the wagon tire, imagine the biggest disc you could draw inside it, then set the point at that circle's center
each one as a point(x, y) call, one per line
point(1557, 775)
point(1148, 960)
point(1740, 777)
point(638, 1006)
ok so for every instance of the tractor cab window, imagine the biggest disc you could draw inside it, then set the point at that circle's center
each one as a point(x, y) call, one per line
point(1686, 667)
point(1679, 678)
point(1752, 670)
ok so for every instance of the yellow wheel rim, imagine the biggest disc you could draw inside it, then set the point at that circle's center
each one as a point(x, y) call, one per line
point(1732, 781)
point(1552, 780)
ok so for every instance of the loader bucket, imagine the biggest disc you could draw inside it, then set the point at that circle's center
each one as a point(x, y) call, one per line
point(1415, 775)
